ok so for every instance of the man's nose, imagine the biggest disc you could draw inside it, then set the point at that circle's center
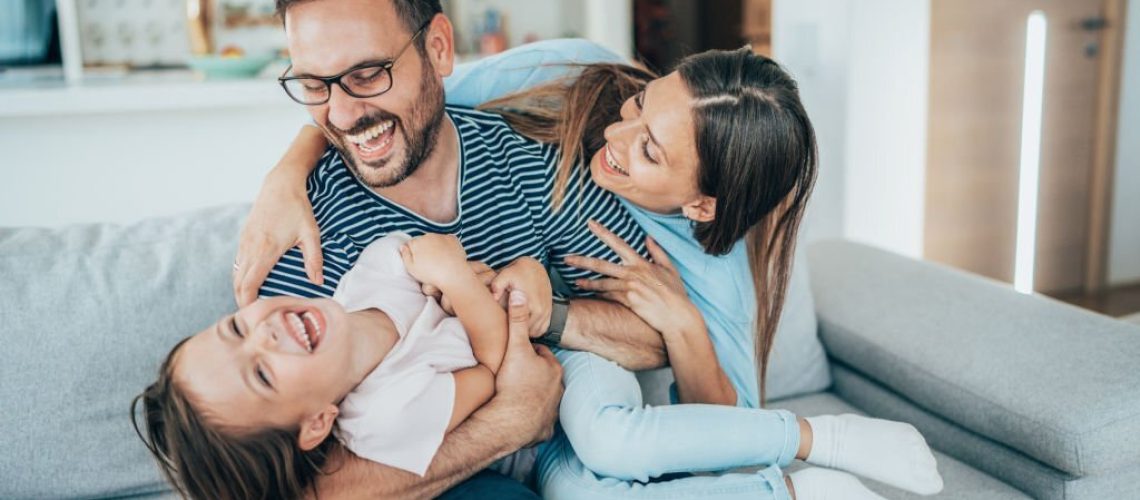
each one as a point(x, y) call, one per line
point(344, 110)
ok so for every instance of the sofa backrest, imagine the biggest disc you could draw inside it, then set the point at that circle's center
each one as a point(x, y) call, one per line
point(88, 313)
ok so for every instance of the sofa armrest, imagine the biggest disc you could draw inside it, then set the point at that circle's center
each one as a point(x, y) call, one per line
point(1058, 383)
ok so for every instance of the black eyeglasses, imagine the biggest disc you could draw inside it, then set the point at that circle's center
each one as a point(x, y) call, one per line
point(368, 79)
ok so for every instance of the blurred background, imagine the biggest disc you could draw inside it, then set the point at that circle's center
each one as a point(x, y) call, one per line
point(1002, 138)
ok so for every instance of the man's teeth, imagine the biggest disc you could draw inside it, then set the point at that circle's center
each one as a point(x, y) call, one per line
point(371, 133)
point(612, 162)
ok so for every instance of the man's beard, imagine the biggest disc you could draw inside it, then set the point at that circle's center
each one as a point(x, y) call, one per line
point(420, 136)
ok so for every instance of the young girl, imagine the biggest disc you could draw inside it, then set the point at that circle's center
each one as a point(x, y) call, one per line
point(249, 407)
point(716, 162)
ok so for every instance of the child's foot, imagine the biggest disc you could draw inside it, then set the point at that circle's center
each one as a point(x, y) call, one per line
point(825, 484)
point(890, 452)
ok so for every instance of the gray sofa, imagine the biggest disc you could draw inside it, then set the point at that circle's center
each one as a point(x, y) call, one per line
point(1021, 396)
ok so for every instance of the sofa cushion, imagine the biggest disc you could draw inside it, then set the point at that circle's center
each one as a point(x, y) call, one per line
point(1038, 479)
point(88, 314)
point(963, 482)
point(1052, 381)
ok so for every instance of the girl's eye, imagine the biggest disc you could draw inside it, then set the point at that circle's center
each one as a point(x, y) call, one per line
point(234, 325)
point(264, 378)
point(638, 99)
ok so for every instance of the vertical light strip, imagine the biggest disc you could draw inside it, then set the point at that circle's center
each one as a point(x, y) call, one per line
point(1030, 169)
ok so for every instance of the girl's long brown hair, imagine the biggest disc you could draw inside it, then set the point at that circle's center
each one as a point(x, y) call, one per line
point(202, 461)
point(755, 144)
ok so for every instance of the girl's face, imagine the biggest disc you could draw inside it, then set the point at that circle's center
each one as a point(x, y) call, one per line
point(274, 363)
point(650, 157)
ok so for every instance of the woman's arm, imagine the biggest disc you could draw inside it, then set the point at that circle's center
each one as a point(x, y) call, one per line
point(654, 291)
point(281, 218)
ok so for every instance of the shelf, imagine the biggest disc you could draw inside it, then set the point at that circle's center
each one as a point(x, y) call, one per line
point(167, 90)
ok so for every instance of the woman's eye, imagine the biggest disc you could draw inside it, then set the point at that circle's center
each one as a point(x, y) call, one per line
point(234, 325)
point(645, 150)
point(264, 378)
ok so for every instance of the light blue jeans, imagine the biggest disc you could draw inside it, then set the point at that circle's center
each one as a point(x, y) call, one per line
point(609, 444)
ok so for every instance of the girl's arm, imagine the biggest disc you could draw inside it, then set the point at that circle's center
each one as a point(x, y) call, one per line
point(439, 260)
point(281, 218)
point(473, 387)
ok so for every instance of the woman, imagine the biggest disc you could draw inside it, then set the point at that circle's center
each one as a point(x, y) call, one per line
point(717, 152)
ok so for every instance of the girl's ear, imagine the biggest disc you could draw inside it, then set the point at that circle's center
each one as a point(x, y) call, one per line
point(316, 428)
point(702, 209)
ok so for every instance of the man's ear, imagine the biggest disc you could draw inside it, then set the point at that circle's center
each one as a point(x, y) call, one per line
point(316, 428)
point(702, 209)
point(439, 42)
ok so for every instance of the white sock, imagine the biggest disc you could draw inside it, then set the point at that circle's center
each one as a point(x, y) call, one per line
point(890, 452)
point(825, 484)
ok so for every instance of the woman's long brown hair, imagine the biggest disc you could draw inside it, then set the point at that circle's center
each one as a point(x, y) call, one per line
point(756, 147)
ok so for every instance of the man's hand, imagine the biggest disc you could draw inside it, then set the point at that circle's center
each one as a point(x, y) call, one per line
point(529, 383)
point(530, 277)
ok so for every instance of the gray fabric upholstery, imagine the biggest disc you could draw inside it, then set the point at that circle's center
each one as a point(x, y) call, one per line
point(1036, 478)
point(798, 364)
point(963, 482)
point(89, 313)
point(1054, 382)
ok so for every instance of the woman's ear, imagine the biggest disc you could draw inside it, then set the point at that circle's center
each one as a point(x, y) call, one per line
point(316, 428)
point(702, 209)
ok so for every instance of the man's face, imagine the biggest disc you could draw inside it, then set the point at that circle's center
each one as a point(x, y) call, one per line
point(383, 139)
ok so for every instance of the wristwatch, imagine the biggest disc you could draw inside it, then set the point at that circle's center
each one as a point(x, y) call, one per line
point(559, 308)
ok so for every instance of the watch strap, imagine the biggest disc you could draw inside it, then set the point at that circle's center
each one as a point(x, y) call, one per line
point(560, 308)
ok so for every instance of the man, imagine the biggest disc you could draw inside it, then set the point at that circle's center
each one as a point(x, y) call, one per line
point(370, 72)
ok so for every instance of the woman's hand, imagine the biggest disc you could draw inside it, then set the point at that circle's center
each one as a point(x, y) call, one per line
point(436, 259)
point(281, 218)
point(528, 276)
point(652, 290)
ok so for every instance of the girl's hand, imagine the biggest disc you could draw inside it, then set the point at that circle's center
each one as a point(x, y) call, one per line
point(652, 290)
point(530, 277)
point(436, 259)
point(281, 218)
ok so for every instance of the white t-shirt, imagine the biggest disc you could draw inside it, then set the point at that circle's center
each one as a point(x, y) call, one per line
point(399, 413)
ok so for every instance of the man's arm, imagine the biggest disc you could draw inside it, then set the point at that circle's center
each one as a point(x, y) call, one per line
point(612, 331)
point(528, 390)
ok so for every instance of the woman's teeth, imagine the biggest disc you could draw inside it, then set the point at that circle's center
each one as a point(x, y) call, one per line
point(371, 133)
point(612, 162)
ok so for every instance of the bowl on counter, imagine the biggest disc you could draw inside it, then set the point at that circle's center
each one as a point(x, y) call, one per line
point(228, 66)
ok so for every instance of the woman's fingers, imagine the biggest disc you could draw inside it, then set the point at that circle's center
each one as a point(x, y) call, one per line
point(311, 253)
point(601, 285)
point(618, 245)
point(659, 254)
point(596, 265)
point(253, 273)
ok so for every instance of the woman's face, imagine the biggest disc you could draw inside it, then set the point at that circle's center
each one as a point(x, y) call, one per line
point(273, 363)
point(650, 157)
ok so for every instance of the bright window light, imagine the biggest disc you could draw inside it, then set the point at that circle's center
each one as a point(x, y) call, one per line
point(1030, 168)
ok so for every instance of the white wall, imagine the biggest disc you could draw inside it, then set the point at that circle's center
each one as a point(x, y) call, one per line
point(867, 97)
point(1124, 245)
point(810, 38)
point(125, 167)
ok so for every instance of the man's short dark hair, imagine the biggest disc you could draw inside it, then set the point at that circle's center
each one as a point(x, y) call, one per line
point(413, 13)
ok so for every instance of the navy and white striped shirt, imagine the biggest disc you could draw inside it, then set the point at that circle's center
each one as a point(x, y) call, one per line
point(505, 210)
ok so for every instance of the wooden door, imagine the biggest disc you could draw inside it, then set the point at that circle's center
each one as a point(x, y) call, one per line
point(977, 74)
